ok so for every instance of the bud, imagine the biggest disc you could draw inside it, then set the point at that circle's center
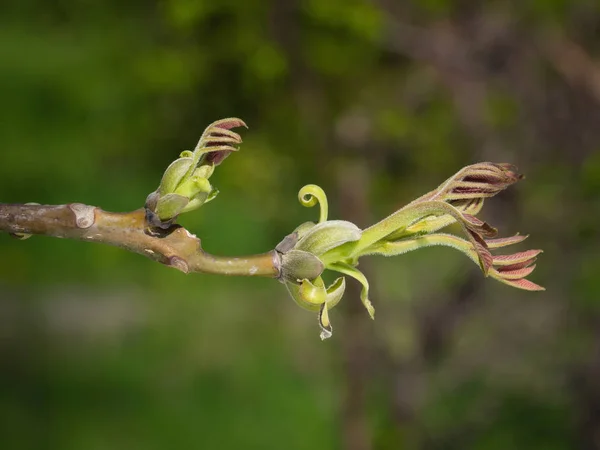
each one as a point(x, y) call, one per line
point(297, 265)
point(323, 243)
point(184, 186)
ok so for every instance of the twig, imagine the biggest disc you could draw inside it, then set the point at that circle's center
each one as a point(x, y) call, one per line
point(175, 246)
point(572, 62)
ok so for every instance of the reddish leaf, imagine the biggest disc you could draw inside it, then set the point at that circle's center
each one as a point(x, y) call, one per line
point(504, 242)
point(470, 206)
point(524, 284)
point(515, 274)
point(480, 247)
point(479, 226)
point(216, 158)
point(229, 123)
point(515, 258)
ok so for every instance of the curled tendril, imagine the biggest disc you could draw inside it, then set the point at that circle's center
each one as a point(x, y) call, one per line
point(310, 195)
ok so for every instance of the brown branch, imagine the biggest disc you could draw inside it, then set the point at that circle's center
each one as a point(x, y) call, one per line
point(572, 61)
point(175, 247)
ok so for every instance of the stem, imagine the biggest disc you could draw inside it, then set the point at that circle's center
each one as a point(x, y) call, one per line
point(404, 218)
point(175, 247)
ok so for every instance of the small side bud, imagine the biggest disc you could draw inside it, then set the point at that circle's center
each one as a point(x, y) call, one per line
point(297, 265)
point(179, 264)
point(84, 214)
point(287, 243)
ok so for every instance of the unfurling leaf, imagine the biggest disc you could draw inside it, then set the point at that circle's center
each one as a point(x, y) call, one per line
point(328, 235)
point(353, 272)
point(184, 186)
point(312, 296)
point(339, 244)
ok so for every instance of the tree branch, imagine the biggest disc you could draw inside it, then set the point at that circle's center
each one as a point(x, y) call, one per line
point(175, 246)
point(571, 61)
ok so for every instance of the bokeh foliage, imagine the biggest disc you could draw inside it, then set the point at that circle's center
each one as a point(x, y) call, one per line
point(104, 349)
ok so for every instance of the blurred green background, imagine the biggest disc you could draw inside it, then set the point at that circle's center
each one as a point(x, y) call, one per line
point(377, 102)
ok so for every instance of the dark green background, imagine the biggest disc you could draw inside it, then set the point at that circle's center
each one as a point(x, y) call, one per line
point(377, 102)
